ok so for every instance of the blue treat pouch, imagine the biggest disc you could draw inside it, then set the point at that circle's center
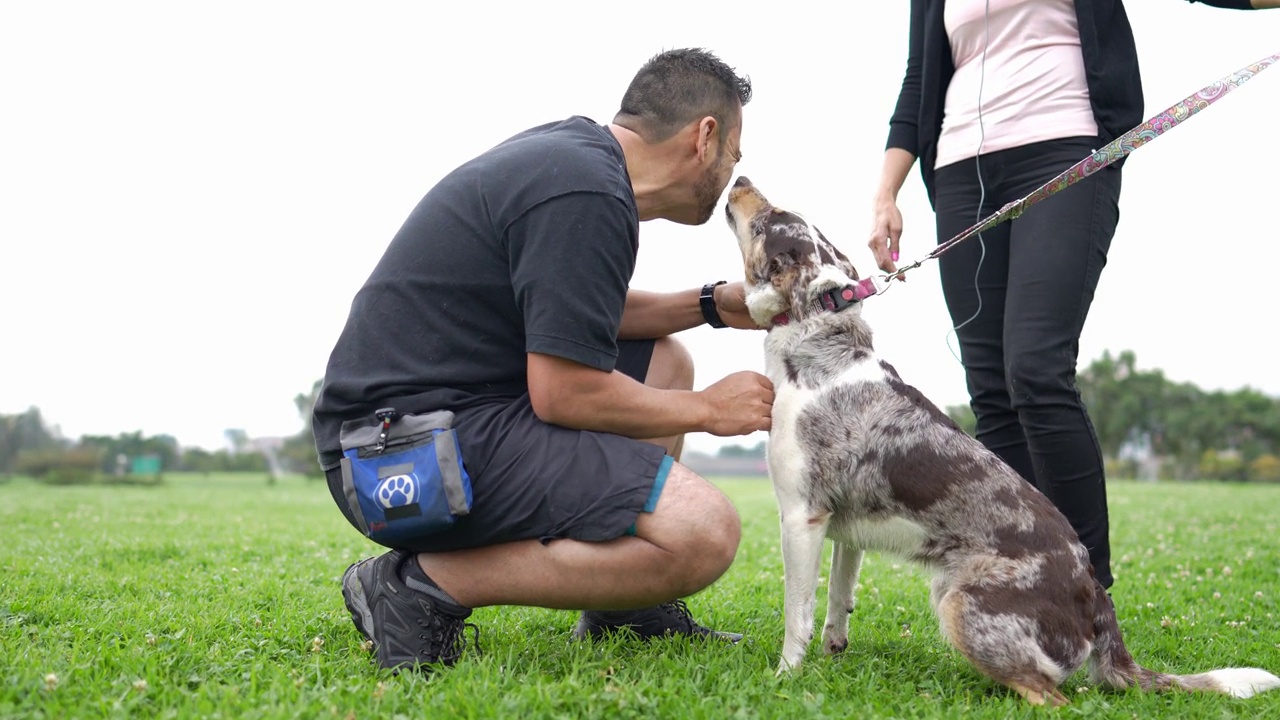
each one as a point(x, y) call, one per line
point(404, 477)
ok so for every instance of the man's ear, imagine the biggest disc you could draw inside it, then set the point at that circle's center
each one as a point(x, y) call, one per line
point(708, 135)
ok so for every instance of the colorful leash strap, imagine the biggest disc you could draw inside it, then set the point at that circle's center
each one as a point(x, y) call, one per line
point(1115, 150)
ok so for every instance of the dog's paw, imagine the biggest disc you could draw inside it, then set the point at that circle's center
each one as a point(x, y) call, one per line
point(788, 667)
point(834, 645)
point(835, 638)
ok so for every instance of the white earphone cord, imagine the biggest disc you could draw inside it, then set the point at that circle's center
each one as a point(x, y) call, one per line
point(982, 188)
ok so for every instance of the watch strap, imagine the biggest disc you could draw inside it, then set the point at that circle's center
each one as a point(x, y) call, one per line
point(707, 301)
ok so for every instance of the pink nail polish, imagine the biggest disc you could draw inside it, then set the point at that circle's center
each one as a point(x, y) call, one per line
point(895, 257)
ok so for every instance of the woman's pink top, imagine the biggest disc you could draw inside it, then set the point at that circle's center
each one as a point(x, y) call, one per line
point(1032, 81)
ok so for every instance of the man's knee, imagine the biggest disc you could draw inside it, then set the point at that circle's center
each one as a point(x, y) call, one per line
point(671, 367)
point(697, 525)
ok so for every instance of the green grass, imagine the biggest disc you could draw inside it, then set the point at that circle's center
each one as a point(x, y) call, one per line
point(218, 597)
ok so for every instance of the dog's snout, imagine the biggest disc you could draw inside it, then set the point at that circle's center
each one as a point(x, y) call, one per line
point(745, 200)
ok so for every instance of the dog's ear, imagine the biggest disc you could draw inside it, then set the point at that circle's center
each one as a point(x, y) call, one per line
point(845, 265)
point(792, 279)
point(831, 254)
point(783, 272)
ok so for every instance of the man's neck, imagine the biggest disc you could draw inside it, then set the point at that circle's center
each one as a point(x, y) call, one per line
point(648, 169)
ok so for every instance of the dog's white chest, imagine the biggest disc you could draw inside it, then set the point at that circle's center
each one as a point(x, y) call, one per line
point(787, 455)
point(896, 535)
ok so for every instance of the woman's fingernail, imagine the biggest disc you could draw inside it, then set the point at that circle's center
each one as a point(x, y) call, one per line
point(895, 257)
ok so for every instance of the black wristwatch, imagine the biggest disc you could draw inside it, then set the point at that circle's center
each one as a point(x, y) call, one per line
point(707, 301)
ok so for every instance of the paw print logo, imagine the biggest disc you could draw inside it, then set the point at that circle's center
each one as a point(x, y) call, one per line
point(397, 491)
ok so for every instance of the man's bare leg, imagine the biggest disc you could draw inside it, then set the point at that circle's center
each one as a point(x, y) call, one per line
point(684, 545)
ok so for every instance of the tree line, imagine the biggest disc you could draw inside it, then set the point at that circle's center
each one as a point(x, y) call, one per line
point(1146, 424)
point(1150, 425)
point(30, 446)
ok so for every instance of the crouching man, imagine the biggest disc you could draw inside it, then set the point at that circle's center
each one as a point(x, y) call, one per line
point(499, 340)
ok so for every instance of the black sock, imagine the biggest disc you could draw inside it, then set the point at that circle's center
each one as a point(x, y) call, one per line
point(414, 578)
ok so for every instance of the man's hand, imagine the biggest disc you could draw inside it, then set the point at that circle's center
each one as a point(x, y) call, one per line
point(741, 404)
point(731, 303)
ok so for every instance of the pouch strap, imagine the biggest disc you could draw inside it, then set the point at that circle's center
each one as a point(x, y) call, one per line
point(451, 472)
point(349, 491)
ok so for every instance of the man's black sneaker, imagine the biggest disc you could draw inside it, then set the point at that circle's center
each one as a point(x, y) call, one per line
point(671, 618)
point(406, 626)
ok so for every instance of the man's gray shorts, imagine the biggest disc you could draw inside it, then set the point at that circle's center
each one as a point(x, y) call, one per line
point(531, 480)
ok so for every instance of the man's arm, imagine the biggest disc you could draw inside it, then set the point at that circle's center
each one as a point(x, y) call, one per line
point(570, 394)
point(648, 315)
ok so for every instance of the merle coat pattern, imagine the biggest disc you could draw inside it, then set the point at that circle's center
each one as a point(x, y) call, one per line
point(859, 456)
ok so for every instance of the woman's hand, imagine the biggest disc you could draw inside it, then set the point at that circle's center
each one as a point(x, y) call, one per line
point(886, 229)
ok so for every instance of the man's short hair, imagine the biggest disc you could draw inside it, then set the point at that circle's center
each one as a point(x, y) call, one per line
point(678, 87)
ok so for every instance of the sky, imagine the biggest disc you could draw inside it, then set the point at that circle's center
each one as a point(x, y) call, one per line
point(193, 192)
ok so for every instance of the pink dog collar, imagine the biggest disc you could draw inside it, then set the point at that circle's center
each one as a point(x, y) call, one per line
point(836, 299)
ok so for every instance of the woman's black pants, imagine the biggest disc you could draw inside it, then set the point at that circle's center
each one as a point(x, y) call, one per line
point(1019, 298)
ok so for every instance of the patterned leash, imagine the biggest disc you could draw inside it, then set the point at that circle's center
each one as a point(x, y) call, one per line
point(1115, 150)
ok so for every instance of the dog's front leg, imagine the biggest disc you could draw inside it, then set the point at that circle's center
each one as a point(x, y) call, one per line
point(845, 563)
point(802, 536)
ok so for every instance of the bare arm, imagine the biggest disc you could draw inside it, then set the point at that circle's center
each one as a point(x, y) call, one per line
point(649, 315)
point(886, 220)
point(900, 150)
point(573, 395)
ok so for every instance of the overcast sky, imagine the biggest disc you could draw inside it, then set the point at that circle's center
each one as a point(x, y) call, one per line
point(193, 192)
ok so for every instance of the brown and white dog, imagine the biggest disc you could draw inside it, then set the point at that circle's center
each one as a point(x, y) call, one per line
point(860, 457)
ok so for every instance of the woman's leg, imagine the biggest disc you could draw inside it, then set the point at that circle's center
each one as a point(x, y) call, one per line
point(1057, 251)
point(974, 284)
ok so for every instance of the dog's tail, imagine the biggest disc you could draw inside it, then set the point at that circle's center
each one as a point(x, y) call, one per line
point(1110, 665)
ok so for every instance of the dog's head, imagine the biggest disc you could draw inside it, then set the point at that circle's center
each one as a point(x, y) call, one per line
point(788, 261)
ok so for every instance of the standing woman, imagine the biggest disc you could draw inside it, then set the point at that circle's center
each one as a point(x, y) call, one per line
point(999, 97)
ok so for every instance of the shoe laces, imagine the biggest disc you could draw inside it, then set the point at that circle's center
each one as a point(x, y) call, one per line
point(446, 639)
point(678, 609)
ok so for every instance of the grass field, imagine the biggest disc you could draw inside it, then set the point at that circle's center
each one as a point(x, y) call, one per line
point(218, 597)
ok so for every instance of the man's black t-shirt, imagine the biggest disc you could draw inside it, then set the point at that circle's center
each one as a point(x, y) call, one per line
point(529, 247)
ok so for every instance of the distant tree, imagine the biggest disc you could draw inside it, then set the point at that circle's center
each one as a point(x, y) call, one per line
point(306, 402)
point(238, 439)
point(134, 445)
point(59, 465)
point(298, 452)
point(227, 461)
point(198, 460)
point(1216, 465)
point(25, 431)
point(963, 416)
point(1265, 468)
point(1201, 434)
